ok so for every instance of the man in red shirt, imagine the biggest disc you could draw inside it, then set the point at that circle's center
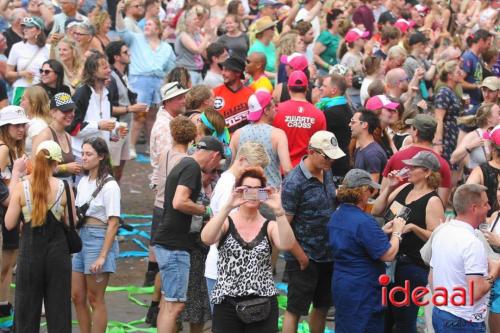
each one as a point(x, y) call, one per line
point(423, 128)
point(231, 98)
point(298, 118)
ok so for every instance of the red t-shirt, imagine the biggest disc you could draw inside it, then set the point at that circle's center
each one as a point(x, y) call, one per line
point(396, 163)
point(233, 105)
point(300, 120)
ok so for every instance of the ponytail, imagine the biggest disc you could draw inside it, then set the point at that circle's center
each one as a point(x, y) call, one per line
point(40, 187)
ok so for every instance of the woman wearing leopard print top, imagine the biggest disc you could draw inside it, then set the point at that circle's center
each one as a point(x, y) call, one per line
point(244, 265)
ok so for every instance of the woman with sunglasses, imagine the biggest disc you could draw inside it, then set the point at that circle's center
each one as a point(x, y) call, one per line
point(359, 248)
point(419, 204)
point(52, 74)
point(245, 240)
point(97, 260)
point(26, 57)
point(13, 122)
point(36, 105)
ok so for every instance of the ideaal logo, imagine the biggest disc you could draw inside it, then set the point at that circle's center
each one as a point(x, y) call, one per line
point(440, 297)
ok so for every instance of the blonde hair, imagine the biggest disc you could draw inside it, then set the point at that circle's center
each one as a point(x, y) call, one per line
point(480, 119)
point(254, 153)
point(287, 43)
point(185, 19)
point(77, 64)
point(39, 102)
point(434, 180)
point(445, 68)
point(98, 20)
point(350, 195)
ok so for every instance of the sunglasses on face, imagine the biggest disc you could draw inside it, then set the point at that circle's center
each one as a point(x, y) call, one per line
point(45, 71)
point(321, 154)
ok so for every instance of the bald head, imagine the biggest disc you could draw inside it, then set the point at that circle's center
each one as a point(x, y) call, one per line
point(394, 77)
point(256, 63)
point(259, 59)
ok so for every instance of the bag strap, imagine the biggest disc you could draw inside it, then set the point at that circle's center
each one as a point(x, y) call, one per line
point(27, 195)
point(31, 60)
point(495, 223)
point(69, 205)
point(98, 189)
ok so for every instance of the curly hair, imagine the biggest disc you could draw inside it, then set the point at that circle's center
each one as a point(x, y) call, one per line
point(287, 43)
point(196, 96)
point(99, 19)
point(179, 74)
point(255, 172)
point(480, 119)
point(351, 195)
point(183, 130)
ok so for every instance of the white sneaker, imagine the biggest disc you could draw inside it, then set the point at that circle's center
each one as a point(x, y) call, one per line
point(133, 154)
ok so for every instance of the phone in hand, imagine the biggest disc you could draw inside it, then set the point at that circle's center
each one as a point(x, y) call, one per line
point(255, 194)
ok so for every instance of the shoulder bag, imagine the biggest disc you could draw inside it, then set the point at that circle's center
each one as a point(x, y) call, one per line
point(72, 237)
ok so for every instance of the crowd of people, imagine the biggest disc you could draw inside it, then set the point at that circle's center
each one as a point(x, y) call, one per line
point(343, 134)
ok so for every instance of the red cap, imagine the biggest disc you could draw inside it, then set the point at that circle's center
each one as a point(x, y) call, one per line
point(380, 101)
point(297, 79)
point(354, 34)
point(297, 61)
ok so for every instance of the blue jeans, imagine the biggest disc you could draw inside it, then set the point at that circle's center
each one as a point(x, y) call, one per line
point(445, 322)
point(405, 318)
point(210, 286)
point(174, 271)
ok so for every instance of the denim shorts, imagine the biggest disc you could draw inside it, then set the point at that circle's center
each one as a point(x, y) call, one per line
point(93, 240)
point(174, 271)
point(495, 297)
point(147, 88)
point(445, 322)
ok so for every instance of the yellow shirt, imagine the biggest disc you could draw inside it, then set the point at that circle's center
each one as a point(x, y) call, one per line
point(262, 82)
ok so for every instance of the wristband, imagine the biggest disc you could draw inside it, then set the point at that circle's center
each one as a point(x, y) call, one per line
point(397, 235)
point(280, 213)
point(63, 168)
point(208, 212)
point(126, 109)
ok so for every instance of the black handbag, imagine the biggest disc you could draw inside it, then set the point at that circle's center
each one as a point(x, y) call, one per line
point(252, 310)
point(72, 236)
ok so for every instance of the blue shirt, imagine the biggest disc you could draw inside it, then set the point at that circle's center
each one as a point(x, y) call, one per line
point(145, 61)
point(357, 243)
point(311, 202)
point(371, 158)
point(472, 67)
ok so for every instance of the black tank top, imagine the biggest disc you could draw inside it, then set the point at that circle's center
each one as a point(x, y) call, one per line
point(411, 243)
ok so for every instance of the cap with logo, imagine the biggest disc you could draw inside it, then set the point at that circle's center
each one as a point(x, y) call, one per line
point(211, 143)
point(257, 103)
point(354, 34)
point(171, 90)
point(33, 21)
point(358, 177)
point(424, 123)
point(297, 79)
point(13, 115)
point(380, 102)
point(492, 83)
point(52, 148)
point(264, 23)
point(297, 61)
point(424, 159)
point(327, 143)
point(63, 102)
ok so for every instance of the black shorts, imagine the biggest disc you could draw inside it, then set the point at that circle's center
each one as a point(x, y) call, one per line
point(225, 320)
point(312, 285)
point(157, 216)
point(10, 238)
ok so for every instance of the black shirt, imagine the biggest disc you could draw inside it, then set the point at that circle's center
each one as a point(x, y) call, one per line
point(3, 90)
point(12, 38)
point(53, 91)
point(173, 231)
point(337, 122)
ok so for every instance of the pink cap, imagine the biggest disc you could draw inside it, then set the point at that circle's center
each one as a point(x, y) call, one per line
point(354, 34)
point(257, 103)
point(422, 9)
point(380, 101)
point(297, 61)
point(403, 25)
point(493, 135)
point(297, 79)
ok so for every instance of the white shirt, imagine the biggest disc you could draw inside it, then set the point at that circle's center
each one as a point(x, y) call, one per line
point(35, 127)
point(105, 205)
point(27, 57)
point(456, 253)
point(302, 15)
point(220, 196)
point(99, 109)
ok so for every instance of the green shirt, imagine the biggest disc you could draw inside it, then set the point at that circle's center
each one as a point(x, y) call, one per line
point(269, 51)
point(331, 42)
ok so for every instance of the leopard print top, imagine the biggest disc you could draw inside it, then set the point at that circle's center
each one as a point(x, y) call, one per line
point(243, 268)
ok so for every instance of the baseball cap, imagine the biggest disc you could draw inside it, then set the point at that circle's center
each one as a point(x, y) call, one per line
point(171, 90)
point(359, 177)
point(234, 64)
point(424, 123)
point(354, 34)
point(264, 23)
point(257, 104)
point(491, 82)
point(386, 17)
point(493, 135)
point(416, 38)
point(380, 101)
point(327, 143)
point(13, 115)
point(33, 21)
point(424, 159)
point(297, 79)
point(339, 69)
point(63, 102)
point(297, 61)
point(404, 25)
point(53, 148)
point(273, 3)
point(211, 143)
point(422, 10)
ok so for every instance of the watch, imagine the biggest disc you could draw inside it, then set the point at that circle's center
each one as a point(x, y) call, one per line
point(152, 186)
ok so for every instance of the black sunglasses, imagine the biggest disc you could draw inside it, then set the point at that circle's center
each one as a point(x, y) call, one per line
point(45, 71)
